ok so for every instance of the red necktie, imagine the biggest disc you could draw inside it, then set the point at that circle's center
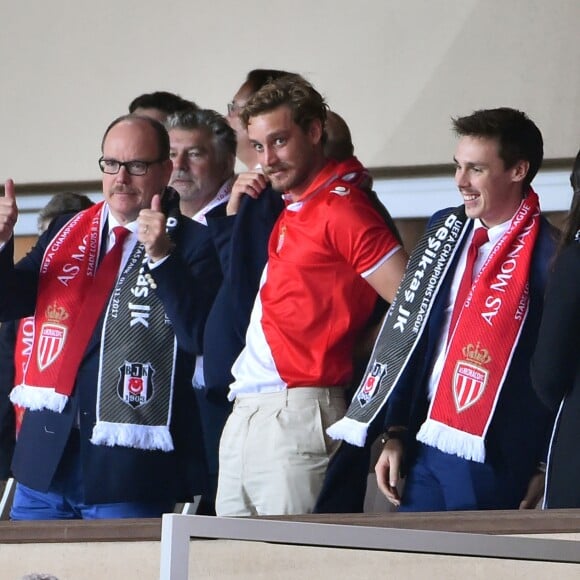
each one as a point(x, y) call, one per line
point(108, 268)
point(479, 238)
point(92, 308)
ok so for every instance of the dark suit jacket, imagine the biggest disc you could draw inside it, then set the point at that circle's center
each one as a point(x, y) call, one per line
point(517, 437)
point(242, 245)
point(7, 418)
point(186, 284)
point(556, 376)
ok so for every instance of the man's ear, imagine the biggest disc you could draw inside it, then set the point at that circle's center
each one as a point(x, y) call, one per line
point(315, 131)
point(520, 170)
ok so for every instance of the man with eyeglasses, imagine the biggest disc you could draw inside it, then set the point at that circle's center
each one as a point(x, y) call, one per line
point(240, 229)
point(254, 81)
point(119, 292)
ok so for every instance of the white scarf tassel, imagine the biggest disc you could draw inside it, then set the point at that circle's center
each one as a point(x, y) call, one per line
point(38, 398)
point(137, 436)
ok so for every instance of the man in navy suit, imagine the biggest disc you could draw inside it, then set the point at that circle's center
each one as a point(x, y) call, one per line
point(451, 362)
point(124, 439)
point(471, 435)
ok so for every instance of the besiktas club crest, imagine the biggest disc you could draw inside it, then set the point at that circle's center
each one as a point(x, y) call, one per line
point(135, 383)
point(371, 383)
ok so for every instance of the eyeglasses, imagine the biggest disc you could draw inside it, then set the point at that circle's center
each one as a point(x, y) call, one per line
point(235, 108)
point(112, 166)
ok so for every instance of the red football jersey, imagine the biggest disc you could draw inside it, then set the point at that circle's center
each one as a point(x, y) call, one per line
point(314, 300)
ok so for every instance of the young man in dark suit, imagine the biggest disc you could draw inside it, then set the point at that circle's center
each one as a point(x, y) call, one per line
point(452, 359)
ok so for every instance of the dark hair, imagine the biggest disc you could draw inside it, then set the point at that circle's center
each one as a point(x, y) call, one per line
point(160, 132)
point(572, 221)
point(259, 77)
point(293, 91)
point(338, 144)
point(517, 135)
point(224, 137)
point(169, 103)
point(575, 175)
point(62, 203)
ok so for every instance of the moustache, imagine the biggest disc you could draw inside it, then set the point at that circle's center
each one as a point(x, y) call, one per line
point(181, 175)
point(123, 189)
point(274, 168)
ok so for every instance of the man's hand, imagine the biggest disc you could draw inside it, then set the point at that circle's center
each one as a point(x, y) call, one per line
point(534, 492)
point(8, 211)
point(388, 469)
point(250, 183)
point(151, 231)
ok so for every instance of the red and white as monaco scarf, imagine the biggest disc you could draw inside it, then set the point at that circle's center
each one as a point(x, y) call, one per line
point(137, 344)
point(481, 348)
point(22, 350)
point(483, 342)
point(66, 273)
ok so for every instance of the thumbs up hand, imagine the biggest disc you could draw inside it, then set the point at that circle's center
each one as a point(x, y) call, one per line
point(151, 231)
point(8, 211)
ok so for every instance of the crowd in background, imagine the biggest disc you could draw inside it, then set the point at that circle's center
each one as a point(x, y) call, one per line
point(202, 333)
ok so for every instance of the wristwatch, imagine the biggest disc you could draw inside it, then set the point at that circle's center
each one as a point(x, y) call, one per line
point(399, 435)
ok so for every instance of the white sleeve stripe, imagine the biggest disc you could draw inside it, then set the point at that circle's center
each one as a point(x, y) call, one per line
point(368, 272)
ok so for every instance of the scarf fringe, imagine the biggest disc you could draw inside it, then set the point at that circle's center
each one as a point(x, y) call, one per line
point(395, 347)
point(452, 441)
point(349, 430)
point(145, 437)
point(38, 398)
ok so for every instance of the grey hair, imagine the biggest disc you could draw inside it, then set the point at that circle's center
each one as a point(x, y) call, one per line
point(60, 204)
point(224, 137)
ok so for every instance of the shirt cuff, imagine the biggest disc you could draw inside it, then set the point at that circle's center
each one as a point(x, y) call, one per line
point(153, 265)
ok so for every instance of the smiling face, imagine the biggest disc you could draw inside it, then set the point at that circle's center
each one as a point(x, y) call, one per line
point(198, 170)
point(490, 192)
point(126, 194)
point(289, 156)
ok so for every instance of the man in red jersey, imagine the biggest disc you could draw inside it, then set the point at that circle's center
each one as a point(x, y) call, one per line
point(329, 255)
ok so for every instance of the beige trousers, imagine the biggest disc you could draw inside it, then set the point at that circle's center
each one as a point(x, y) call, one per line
point(274, 451)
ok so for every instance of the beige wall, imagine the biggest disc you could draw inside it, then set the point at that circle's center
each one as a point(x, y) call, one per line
point(396, 69)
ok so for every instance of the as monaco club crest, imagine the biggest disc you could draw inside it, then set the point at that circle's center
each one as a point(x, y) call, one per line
point(135, 383)
point(52, 336)
point(371, 383)
point(470, 377)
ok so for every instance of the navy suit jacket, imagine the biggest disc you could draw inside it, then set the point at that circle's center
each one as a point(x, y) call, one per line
point(242, 245)
point(7, 417)
point(241, 242)
point(186, 285)
point(517, 437)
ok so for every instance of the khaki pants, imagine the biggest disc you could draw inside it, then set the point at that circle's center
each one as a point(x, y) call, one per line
point(274, 451)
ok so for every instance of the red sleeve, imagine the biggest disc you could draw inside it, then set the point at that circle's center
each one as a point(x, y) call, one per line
point(357, 231)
